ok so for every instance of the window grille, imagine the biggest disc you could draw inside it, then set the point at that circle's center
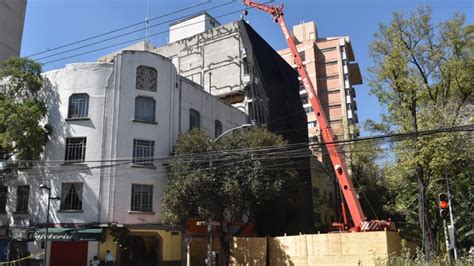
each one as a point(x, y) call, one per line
point(78, 106)
point(22, 196)
point(3, 199)
point(146, 78)
point(75, 150)
point(217, 128)
point(145, 109)
point(143, 152)
point(142, 198)
point(71, 196)
point(194, 119)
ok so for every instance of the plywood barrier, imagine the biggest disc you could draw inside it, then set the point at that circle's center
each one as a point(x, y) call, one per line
point(365, 248)
point(248, 251)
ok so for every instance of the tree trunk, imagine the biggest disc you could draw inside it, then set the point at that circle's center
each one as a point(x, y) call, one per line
point(225, 250)
point(423, 217)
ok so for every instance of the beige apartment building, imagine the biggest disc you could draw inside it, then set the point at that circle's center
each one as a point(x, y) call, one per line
point(330, 64)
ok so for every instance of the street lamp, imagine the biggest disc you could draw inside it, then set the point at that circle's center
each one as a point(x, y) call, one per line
point(43, 186)
point(209, 224)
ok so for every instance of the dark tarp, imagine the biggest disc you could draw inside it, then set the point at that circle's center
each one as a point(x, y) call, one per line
point(275, 84)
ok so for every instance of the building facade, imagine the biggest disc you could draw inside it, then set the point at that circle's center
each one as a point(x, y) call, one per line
point(234, 63)
point(12, 18)
point(114, 125)
point(330, 65)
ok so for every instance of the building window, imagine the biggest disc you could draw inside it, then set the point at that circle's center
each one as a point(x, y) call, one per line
point(312, 124)
point(217, 128)
point(143, 152)
point(22, 195)
point(146, 78)
point(78, 106)
point(328, 77)
point(142, 198)
point(329, 49)
point(302, 56)
point(75, 150)
point(304, 99)
point(329, 63)
point(245, 65)
point(3, 199)
point(194, 119)
point(308, 110)
point(145, 109)
point(71, 196)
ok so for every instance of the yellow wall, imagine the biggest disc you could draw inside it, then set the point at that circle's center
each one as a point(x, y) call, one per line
point(172, 244)
point(108, 244)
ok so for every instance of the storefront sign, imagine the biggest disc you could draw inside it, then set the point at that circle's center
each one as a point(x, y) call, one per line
point(69, 234)
point(52, 237)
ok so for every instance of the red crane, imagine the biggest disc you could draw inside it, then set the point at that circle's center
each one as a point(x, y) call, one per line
point(340, 169)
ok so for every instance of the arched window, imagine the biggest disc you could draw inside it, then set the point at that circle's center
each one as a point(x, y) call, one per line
point(78, 106)
point(145, 109)
point(146, 78)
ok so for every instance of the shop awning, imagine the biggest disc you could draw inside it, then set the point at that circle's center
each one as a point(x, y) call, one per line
point(69, 234)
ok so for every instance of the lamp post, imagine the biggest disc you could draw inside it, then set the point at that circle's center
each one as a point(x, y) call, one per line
point(209, 224)
point(43, 186)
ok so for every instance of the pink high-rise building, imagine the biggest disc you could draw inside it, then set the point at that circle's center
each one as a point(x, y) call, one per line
point(330, 64)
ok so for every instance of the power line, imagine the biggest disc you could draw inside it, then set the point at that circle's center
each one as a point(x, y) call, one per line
point(137, 39)
point(282, 148)
point(131, 32)
point(118, 29)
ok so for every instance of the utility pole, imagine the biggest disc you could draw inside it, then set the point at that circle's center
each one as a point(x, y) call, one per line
point(451, 218)
point(43, 186)
point(209, 222)
point(145, 44)
point(446, 238)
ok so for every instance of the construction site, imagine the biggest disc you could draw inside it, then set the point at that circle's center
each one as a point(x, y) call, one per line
point(200, 143)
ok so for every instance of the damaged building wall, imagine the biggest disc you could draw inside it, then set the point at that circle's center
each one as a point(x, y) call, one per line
point(233, 62)
point(214, 60)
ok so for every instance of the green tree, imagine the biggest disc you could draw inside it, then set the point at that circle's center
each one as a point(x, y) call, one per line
point(371, 185)
point(423, 74)
point(243, 171)
point(22, 109)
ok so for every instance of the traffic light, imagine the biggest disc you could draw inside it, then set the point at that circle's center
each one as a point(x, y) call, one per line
point(443, 201)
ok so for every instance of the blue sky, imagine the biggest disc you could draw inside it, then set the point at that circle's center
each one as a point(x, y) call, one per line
point(52, 23)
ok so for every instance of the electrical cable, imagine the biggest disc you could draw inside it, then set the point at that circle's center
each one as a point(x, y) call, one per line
point(134, 31)
point(134, 40)
point(267, 149)
point(118, 29)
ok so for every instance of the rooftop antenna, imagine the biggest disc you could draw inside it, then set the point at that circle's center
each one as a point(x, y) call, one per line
point(145, 43)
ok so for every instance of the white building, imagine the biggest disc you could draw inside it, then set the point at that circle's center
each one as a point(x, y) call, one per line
point(112, 125)
point(191, 26)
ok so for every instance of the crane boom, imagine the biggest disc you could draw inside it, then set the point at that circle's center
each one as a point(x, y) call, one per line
point(327, 134)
